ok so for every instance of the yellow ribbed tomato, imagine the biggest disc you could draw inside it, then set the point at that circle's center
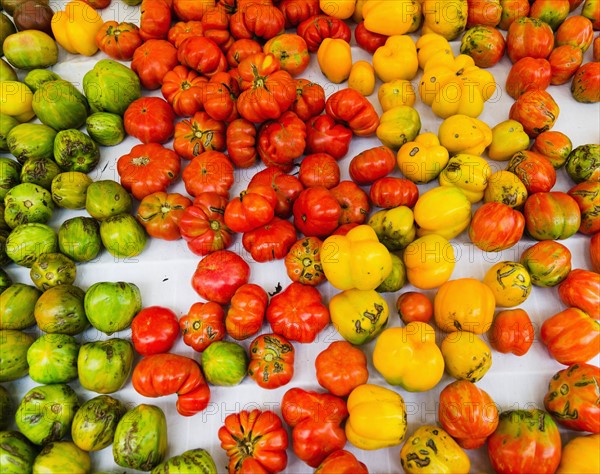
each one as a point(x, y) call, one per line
point(466, 356)
point(468, 172)
point(444, 210)
point(429, 261)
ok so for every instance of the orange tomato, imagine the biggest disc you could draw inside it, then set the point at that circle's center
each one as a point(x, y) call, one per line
point(414, 306)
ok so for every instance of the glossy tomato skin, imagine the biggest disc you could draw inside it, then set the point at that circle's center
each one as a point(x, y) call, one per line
point(291, 50)
point(414, 306)
point(240, 50)
point(485, 44)
point(548, 262)
point(296, 11)
point(496, 226)
point(528, 73)
point(246, 312)
point(391, 191)
point(564, 61)
point(253, 208)
point(147, 169)
point(341, 462)
point(197, 134)
point(316, 212)
point(211, 171)
point(353, 201)
point(511, 10)
point(581, 289)
point(325, 135)
point(310, 99)
point(572, 397)
point(150, 120)
point(536, 110)
point(155, 19)
point(152, 60)
point(303, 261)
point(525, 441)
point(281, 141)
point(316, 28)
point(512, 332)
point(287, 188)
point(119, 40)
point(182, 30)
point(551, 215)
point(154, 330)
point(555, 146)
point(372, 164)
point(160, 214)
point(256, 19)
point(587, 196)
point(319, 169)
point(203, 324)
point(529, 37)
point(271, 241)
point(595, 252)
point(271, 361)
point(219, 97)
point(368, 40)
point(182, 89)
point(351, 108)
point(534, 170)
point(219, 274)
point(241, 143)
point(341, 368)
point(203, 55)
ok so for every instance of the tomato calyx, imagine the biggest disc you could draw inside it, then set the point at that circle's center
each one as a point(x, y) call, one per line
point(140, 160)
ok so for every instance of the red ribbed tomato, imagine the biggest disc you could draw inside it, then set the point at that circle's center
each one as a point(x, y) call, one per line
point(581, 289)
point(496, 226)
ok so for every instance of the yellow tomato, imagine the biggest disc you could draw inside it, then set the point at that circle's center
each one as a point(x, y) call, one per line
point(468, 172)
point(444, 210)
point(398, 126)
point(362, 78)
point(464, 134)
point(508, 137)
point(395, 93)
point(430, 45)
point(335, 59)
point(16, 99)
point(510, 282)
point(505, 187)
point(391, 17)
point(429, 261)
point(444, 17)
point(423, 159)
point(396, 59)
point(466, 356)
point(341, 9)
point(76, 26)
point(580, 456)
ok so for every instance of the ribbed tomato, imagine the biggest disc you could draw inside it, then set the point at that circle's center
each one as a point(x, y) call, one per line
point(551, 215)
point(496, 226)
point(581, 289)
point(535, 171)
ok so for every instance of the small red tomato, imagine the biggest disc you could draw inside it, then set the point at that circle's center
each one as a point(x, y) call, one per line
point(414, 306)
point(154, 330)
point(512, 331)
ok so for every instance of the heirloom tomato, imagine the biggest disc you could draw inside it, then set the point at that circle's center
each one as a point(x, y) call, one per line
point(160, 214)
point(287, 188)
point(353, 201)
point(581, 289)
point(150, 120)
point(508, 138)
point(511, 10)
point(152, 60)
point(351, 108)
point(466, 356)
point(548, 262)
point(534, 170)
point(260, 19)
point(467, 172)
point(341, 368)
point(318, 27)
point(298, 313)
point(572, 397)
point(147, 169)
point(579, 455)
point(454, 312)
point(587, 197)
point(319, 169)
point(429, 261)
point(271, 361)
point(188, 11)
point(203, 55)
point(443, 210)
point(296, 11)
point(240, 50)
point(571, 336)
point(506, 188)
point(246, 312)
point(576, 31)
point(182, 30)
point(271, 241)
point(512, 331)
point(423, 159)
point(254, 441)
point(371, 164)
point(282, 140)
point(267, 91)
point(119, 40)
point(197, 134)
point(303, 261)
point(325, 135)
point(202, 225)
point(335, 60)
point(554, 146)
point(291, 50)
point(467, 413)
point(154, 330)
point(341, 462)
point(564, 61)
point(241, 143)
point(209, 171)
point(368, 40)
point(316, 212)
point(528, 73)
point(510, 282)
point(536, 110)
point(389, 192)
point(219, 97)
point(219, 274)
point(310, 99)
point(182, 88)
point(414, 306)
point(551, 215)
point(203, 324)
point(483, 12)
point(215, 23)
point(525, 441)
point(529, 37)
point(552, 12)
point(253, 208)
point(155, 19)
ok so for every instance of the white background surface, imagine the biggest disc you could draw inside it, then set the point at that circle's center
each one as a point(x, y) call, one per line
point(163, 273)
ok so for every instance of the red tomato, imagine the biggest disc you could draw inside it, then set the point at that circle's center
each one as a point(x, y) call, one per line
point(195, 10)
point(529, 37)
point(316, 28)
point(271, 361)
point(291, 50)
point(303, 261)
point(512, 332)
point(219, 274)
point(197, 134)
point(281, 141)
point(587, 195)
point(390, 191)
point(353, 201)
point(528, 73)
point(215, 23)
point(150, 120)
point(209, 171)
point(564, 61)
point(368, 40)
point(351, 108)
point(511, 10)
point(202, 54)
point(152, 60)
point(246, 312)
point(256, 19)
point(341, 368)
point(253, 208)
point(155, 19)
point(483, 12)
point(316, 212)
point(310, 99)
point(325, 135)
point(414, 306)
point(241, 143)
point(118, 40)
point(160, 214)
point(271, 241)
point(154, 330)
point(184, 29)
point(581, 289)
point(148, 168)
point(577, 31)
point(219, 97)
point(287, 188)
point(536, 110)
point(241, 49)
point(485, 44)
point(370, 165)
point(495, 226)
point(554, 146)
point(551, 215)
point(585, 86)
point(535, 171)
point(296, 11)
point(203, 324)
point(552, 12)
point(182, 88)
point(319, 169)
point(341, 462)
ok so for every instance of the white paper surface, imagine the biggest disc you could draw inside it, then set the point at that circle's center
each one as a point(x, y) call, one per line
point(163, 273)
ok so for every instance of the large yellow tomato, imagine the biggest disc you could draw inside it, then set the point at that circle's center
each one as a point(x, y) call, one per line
point(466, 356)
point(429, 261)
point(510, 282)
